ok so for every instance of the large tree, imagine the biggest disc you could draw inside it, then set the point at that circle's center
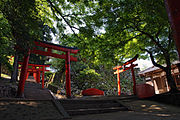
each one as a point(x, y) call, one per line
point(111, 31)
point(26, 24)
point(108, 32)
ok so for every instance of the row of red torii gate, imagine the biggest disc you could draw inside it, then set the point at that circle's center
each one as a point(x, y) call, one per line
point(37, 69)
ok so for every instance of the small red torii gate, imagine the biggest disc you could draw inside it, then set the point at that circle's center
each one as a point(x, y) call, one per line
point(36, 69)
point(123, 68)
point(48, 52)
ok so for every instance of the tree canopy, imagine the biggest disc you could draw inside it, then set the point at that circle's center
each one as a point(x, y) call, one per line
point(107, 32)
point(111, 31)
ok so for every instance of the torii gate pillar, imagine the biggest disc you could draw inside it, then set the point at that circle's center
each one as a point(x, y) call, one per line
point(68, 76)
point(20, 92)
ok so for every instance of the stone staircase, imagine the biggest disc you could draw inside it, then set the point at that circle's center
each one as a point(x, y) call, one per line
point(82, 107)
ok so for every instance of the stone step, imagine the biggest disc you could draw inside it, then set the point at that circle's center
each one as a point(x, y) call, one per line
point(86, 101)
point(95, 111)
point(81, 107)
point(84, 106)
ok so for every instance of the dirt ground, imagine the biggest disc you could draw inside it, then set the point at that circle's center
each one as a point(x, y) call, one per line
point(140, 110)
point(44, 109)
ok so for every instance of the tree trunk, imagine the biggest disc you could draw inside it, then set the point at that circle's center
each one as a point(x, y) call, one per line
point(14, 75)
point(171, 81)
point(169, 76)
point(167, 69)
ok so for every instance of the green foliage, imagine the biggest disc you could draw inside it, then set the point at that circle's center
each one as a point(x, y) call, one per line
point(88, 78)
point(25, 22)
point(6, 43)
point(110, 32)
point(48, 75)
point(106, 32)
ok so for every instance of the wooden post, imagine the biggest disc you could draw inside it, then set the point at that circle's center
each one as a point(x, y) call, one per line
point(35, 75)
point(20, 92)
point(38, 76)
point(134, 79)
point(68, 79)
point(173, 10)
point(43, 77)
point(118, 81)
point(27, 75)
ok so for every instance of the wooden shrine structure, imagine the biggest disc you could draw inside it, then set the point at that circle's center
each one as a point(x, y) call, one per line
point(36, 70)
point(48, 51)
point(122, 68)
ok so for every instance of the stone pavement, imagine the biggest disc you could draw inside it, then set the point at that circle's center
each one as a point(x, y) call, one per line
point(34, 91)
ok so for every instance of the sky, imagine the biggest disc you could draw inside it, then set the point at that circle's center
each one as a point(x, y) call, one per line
point(143, 64)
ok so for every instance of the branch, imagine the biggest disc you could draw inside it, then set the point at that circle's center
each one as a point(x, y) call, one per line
point(157, 34)
point(135, 37)
point(170, 38)
point(152, 59)
point(68, 15)
point(54, 8)
point(117, 45)
point(152, 38)
point(71, 27)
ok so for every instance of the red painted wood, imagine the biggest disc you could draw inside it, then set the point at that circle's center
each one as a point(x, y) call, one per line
point(43, 77)
point(23, 74)
point(49, 47)
point(27, 75)
point(49, 50)
point(53, 55)
point(38, 76)
point(35, 75)
point(29, 70)
point(68, 79)
point(118, 82)
point(124, 68)
point(35, 65)
point(75, 51)
point(134, 80)
point(126, 63)
point(34, 70)
point(127, 68)
point(173, 10)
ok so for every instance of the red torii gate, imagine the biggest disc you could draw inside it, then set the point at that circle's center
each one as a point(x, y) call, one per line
point(48, 52)
point(123, 68)
point(36, 69)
